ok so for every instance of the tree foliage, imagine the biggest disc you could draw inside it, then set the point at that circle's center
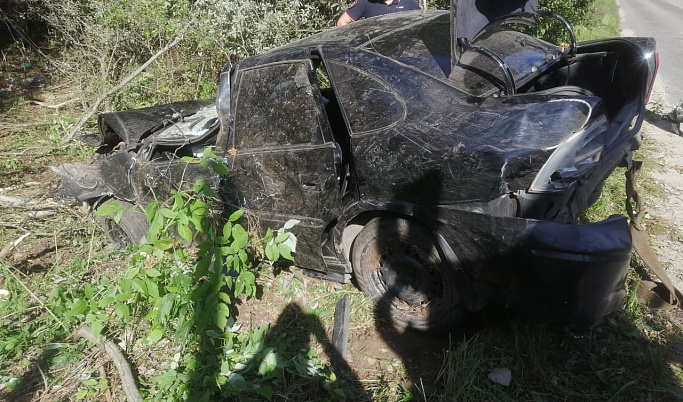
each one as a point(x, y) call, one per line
point(577, 12)
point(103, 41)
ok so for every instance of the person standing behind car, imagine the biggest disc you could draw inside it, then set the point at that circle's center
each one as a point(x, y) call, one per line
point(373, 8)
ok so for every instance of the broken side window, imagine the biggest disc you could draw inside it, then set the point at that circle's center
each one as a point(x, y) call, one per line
point(278, 105)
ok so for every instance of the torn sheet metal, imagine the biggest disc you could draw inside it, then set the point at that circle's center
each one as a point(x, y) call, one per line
point(372, 126)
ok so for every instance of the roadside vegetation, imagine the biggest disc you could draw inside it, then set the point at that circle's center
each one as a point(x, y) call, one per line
point(255, 330)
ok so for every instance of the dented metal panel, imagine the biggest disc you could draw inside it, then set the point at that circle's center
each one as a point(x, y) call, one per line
point(374, 127)
point(530, 264)
point(107, 176)
point(131, 126)
point(299, 182)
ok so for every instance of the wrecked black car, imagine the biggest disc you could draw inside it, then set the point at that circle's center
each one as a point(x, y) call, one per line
point(442, 164)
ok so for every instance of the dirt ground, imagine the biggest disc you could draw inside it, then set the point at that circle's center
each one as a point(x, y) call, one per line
point(663, 150)
point(374, 349)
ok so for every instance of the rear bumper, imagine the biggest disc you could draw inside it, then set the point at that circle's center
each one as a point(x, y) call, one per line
point(578, 272)
point(573, 274)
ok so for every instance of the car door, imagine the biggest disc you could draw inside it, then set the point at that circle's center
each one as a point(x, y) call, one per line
point(283, 160)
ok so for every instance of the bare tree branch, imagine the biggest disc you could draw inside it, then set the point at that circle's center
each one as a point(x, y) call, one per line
point(130, 388)
point(9, 126)
point(12, 245)
point(120, 86)
point(57, 106)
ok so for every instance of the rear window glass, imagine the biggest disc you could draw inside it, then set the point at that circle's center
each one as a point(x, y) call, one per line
point(369, 103)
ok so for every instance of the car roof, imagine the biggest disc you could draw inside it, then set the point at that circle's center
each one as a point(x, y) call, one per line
point(420, 40)
point(352, 36)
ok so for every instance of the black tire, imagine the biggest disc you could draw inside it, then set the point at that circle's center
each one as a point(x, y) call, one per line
point(131, 229)
point(399, 264)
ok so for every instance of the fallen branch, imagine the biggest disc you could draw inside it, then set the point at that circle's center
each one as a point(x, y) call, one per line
point(57, 106)
point(9, 126)
point(120, 86)
point(12, 245)
point(21, 185)
point(34, 208)
point(11, 201)
point(47, 386)
point(39, 206)
point(13, 226)
point(24, 151)
point(40, 214)
point(107, 392)
point(122, 366)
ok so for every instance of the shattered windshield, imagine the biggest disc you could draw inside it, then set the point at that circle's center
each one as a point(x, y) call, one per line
point(426, 47)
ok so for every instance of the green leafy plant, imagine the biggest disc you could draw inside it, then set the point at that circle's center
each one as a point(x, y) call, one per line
point(11, 163)
point(174, 280)
point(91, 387)
point(577, 12)
point(183, 283)
point(113, 208)
point(281, 243)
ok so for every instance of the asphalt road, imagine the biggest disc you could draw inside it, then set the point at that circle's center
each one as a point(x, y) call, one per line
point(663, 20)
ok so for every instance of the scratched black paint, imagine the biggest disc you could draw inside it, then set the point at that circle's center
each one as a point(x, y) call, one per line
point(374, 120)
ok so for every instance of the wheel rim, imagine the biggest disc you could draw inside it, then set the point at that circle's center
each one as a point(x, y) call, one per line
point(399, 264)
point(116, 233)
point(407, 273)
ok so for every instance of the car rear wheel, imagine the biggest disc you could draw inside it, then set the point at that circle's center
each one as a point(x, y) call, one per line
point(400, 265)
point(129, 230)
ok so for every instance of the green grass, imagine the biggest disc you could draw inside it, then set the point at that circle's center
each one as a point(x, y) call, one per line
point(604, 22)
point(628, 358)
point(611, 201)
point(34, 316)
point(632, 356)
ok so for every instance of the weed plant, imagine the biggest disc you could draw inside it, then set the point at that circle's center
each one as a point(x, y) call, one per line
point(179, 289)
point(173, 307)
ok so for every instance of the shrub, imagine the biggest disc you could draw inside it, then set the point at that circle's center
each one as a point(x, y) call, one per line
point(577, 12)
point(104, 41)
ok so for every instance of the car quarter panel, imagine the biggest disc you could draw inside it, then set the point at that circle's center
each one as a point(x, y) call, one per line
point(427, 142)
point(573, 273)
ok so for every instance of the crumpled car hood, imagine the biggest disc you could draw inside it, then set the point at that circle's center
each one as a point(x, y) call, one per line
point(131, 126)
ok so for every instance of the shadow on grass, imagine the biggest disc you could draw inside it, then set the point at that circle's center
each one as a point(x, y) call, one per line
point(292, 336)
point(286, 364)
point(32, 382)
point(631, 356)
point(634, 355)
point(628, 357)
